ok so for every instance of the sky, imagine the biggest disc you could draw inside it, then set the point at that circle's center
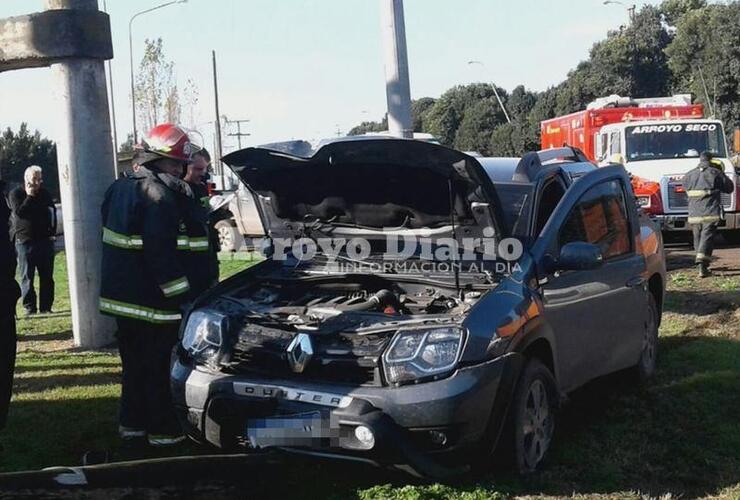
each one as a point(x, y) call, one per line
point(309, 69)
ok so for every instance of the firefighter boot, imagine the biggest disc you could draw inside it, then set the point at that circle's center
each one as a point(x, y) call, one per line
point(704, 271)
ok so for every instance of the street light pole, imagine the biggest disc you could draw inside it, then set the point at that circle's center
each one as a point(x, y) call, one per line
point(131, 58)
point(495, 92)
point(630, 9)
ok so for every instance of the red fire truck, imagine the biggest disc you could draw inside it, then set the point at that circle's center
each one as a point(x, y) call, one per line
point(658, 140)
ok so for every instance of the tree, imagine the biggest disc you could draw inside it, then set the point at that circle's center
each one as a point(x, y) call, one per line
point(676, 47)
point(157, 97)
point(674, 10)
point(23, 149)
point(419, 111)
point(630, 62)
point(370, 126)
point(128, 146)
point(704, 57)
point(446, 119)
point(191, 98)
point(520, 102)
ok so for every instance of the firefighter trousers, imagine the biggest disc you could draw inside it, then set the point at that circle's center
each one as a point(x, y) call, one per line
point(146, 401)
point(704, 240)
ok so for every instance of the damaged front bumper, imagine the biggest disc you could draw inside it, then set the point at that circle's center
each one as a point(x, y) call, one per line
point(425, 426)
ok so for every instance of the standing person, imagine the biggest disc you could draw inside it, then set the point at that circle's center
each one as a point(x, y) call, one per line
point(148, 235)
point(33, 230)
point(704, 185)
point(195, 176)
point(9, 293)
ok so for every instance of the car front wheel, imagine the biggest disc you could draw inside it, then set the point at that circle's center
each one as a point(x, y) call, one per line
point(645, 367)
point(533, 414)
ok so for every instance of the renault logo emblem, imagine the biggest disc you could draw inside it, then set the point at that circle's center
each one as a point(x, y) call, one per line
point(300, 352)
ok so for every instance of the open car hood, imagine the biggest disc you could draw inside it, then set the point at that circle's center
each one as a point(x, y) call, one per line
point(369, 188)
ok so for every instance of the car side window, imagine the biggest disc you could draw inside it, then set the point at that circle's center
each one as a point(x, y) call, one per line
point(549, 199)
point(600, 217)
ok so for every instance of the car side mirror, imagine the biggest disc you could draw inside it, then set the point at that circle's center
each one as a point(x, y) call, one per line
point(579, 256)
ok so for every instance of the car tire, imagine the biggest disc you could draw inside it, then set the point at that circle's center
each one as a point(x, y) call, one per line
point(532, 416)
point(645, 367)
point(228, 235)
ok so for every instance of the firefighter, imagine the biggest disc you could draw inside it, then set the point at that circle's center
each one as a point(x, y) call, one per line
point(152, 239)
point(9, 293)
point(704, 185)
point(196, 176)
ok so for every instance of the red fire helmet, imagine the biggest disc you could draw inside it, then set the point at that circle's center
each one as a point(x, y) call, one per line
point(169, 141)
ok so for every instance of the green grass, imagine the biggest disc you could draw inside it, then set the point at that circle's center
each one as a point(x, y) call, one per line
point(65, 401)
point(679, 435)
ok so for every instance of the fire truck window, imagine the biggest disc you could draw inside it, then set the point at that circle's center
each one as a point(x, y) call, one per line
point(549, 199)
point(600, 217)
point(615, 145)
point(601, 144)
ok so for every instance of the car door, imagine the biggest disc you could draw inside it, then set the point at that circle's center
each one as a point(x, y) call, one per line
point(597, 315)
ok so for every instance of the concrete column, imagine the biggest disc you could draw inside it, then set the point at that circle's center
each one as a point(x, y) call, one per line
point(84, 153)
point(397, 87)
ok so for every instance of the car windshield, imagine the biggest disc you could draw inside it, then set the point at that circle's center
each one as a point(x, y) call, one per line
point(674, 140)
point(515, 200)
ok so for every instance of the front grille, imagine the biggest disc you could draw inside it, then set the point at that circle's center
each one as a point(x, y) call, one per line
point(679, 200)
point(340, 358)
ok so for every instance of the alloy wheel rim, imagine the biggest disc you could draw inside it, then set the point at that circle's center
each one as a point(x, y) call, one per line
point(648, 341)
point(224, 236)
point(538, 424)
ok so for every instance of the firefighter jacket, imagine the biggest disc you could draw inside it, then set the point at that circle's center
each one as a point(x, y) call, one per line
point(9, 291)
point(200, 192)
point(704, 186)
point(155, 248)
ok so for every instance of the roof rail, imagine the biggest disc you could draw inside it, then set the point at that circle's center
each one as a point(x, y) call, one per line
point(565, 153)
point(532, 162)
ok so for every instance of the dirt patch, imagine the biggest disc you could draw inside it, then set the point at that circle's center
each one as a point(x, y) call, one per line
point(725, 262)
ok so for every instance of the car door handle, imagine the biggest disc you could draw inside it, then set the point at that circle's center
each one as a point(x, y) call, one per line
point(635, 282)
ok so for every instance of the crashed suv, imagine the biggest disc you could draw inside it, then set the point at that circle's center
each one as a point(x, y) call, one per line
point(420, 307)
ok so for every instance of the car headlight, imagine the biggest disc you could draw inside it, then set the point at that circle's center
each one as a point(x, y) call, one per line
point(421, 353)
point(203, 335)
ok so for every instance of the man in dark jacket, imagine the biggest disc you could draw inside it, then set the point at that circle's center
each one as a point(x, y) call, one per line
point(33, 230)
point(9, 293)
point(195, 176)
point(151, 240)
point(704, 186)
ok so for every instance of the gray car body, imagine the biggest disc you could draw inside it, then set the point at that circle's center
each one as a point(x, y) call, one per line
point(580, 324)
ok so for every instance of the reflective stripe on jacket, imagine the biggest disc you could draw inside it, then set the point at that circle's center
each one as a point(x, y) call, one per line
point(155, 247)
point(704, 186)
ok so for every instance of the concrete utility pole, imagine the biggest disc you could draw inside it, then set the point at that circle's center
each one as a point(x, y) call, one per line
point(397, 88)
point(74, 38)
point(84, 152)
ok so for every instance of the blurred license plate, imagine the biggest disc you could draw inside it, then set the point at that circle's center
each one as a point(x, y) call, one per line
point(301, 429)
